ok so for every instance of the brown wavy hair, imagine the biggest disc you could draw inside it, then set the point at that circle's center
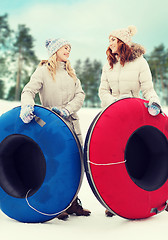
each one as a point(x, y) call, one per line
point(52, 66)
point(124, 51)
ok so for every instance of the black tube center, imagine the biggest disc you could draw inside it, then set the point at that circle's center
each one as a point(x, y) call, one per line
point(22, 165)
point(146, 157)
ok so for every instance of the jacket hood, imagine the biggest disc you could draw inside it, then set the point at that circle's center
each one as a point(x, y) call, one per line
point(137, 51)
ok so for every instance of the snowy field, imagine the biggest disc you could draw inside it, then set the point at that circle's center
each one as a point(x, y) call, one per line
point(97, 226)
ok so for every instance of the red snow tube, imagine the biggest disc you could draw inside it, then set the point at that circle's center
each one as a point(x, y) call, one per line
point(126, 159)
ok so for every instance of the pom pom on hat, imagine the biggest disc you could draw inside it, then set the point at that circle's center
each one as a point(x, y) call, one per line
point(124, 34)
point(132, 29)
point(47, 42)
point(53, 45)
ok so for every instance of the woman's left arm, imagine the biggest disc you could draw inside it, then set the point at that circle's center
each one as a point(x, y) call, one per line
point(145, 79)
point(76, 103)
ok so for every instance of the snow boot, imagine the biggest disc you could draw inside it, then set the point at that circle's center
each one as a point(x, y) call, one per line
point(76, 208)
point(63, 216)
point(108, 213)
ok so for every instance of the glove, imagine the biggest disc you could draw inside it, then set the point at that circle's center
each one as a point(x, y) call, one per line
point(62, 112)
point(26, 113)
point(154, 109)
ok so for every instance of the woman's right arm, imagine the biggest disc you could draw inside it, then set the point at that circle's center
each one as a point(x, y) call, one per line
point(32, 87)
point(105, 92)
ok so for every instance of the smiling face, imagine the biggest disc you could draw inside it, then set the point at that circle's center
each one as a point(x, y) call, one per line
point(63, 53)
point(113, 44)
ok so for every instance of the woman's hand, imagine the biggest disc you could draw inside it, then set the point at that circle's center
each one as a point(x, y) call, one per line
point(26, 113)
point(62, 112)
point(154, 109)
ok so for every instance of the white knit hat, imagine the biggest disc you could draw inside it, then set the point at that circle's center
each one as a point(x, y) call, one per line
point(53, 45)
point(124, 34)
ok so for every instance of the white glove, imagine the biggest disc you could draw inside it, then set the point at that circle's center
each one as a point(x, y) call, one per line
point(26, 113)
point(62, 112)
point(154, 109)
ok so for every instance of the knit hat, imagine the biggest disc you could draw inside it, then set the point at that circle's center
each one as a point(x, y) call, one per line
point(53, 45)
point(124, 34)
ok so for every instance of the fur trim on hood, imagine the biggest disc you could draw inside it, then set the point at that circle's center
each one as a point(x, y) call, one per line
point(137, 51)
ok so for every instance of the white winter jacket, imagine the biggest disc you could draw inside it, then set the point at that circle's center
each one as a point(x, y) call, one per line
point(63, 92)
point(127, 80)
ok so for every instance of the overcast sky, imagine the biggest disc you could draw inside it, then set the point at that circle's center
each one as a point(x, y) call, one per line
point(87, 23)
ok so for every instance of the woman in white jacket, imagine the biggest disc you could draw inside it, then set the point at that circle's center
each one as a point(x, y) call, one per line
point(126, 73)
point(60, 90)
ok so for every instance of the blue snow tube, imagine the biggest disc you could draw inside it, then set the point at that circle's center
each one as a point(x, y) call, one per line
point(40, 166)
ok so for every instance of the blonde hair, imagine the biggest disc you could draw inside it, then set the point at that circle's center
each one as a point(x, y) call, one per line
point(52, 65)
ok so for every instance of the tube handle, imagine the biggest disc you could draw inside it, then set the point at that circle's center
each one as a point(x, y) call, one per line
point(39, 120)
point(156, 210)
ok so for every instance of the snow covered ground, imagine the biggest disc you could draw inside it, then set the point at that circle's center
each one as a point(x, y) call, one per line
point(97, 226)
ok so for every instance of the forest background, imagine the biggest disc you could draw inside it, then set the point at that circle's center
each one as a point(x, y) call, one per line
point(18, 60)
